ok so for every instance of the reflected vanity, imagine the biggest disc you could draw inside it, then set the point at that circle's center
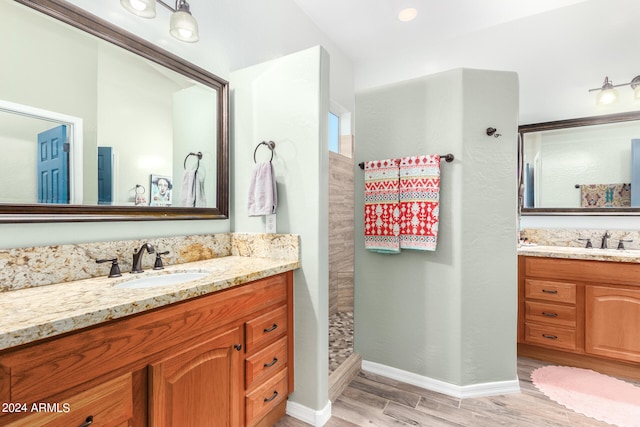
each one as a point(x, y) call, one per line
point(124, 115)
point(582, 166)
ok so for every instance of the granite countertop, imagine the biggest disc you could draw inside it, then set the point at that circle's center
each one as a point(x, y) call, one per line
point(45, 311)
point(593, 254)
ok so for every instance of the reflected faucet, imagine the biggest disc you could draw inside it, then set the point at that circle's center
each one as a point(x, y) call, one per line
point(137, 257)
point(605, 238)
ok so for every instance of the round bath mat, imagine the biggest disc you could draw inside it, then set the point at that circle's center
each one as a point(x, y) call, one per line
point(590, 393)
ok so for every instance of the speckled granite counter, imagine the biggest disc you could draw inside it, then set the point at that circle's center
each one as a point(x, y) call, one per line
point(45, 311)
point(593, 254)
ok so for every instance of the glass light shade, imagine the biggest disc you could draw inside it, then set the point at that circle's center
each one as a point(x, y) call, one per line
point(142, 8)
point(607, 96)
point(637, 92)
point(184, 27)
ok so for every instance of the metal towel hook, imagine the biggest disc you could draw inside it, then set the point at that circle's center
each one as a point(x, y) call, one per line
point(270, 145)
point(492, 132)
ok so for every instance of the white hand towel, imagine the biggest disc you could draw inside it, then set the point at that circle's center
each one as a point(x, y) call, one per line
point(201, 201)
point(192, 190)
point(263, 196)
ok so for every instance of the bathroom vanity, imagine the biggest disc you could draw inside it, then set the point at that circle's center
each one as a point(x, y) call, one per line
point(215, 351)
point(580, 307)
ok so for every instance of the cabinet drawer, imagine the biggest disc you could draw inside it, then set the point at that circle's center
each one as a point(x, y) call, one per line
point(266, 328)
point(109, 404)
point(550, 291)
point(551, 336)
point(266, 397)
point(555, 314)
point(266, 362)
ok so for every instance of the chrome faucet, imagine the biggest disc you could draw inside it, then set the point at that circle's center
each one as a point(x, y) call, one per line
point(605, 239)
point(137, 257)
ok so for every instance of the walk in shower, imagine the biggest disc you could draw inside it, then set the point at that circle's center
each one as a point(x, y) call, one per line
point(343, 363)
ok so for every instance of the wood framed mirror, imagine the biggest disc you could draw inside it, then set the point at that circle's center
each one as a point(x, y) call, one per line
point(584, 166)
point(152, 117)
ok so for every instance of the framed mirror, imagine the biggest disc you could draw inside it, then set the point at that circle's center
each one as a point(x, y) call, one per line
point(586, 166)
point(100, 125)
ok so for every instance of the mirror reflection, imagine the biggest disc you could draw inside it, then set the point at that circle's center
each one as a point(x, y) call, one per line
point(86, 122)
point(585, 167)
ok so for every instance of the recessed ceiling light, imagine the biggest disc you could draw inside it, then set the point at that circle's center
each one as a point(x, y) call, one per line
point(408, 14)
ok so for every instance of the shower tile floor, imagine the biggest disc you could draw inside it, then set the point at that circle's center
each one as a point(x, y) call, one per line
point(340, 339)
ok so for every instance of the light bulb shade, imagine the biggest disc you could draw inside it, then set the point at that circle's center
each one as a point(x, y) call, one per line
point(608, 94)
point(142, 8)
point(636, 93)
point(184, 26)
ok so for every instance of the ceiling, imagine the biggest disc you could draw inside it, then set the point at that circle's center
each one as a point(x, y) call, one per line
point(367, 30)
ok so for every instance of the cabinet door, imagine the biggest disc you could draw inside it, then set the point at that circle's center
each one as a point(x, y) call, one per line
point(612, 316)
point(200, 386)
point(109, 404)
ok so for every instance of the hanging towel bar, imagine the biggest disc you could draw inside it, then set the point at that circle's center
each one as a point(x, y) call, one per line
point(198, 155)
point(447, 157)
point(270, 145)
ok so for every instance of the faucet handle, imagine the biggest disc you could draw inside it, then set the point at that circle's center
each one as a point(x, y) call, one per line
point(158, 264)
point(589, 244)
point(115, 268)
point(622, 242)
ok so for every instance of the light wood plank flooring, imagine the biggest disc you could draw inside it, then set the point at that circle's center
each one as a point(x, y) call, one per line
point(372, 400)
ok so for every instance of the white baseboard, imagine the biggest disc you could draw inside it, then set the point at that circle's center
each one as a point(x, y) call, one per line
point(461, 392)
point(308, 415)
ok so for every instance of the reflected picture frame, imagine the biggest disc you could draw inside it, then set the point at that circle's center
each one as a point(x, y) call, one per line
point(161, 190)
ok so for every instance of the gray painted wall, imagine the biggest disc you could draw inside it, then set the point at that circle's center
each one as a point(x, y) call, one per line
point(448, 315)
point(287, 101)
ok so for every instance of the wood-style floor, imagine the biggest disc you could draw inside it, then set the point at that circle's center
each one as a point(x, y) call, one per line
point(372, 400)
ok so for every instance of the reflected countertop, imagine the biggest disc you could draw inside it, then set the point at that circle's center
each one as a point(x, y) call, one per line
point(593, 254)
point(46, 311)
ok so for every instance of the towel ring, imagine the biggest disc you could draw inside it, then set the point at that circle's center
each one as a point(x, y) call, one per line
point(198, 155)
point(270, 145)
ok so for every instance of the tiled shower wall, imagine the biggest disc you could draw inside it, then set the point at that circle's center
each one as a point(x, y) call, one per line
point(341, 233)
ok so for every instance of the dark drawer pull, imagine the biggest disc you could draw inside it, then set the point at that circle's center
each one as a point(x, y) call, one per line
point(273, 396)
point(271, 329)
point(550, 337)
point(544, 313)
point(268, 365)
point(87, 422)
point(550, 291)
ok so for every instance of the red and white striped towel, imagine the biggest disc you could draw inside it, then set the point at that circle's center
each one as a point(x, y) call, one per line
point(382, 206)
point(419, 202)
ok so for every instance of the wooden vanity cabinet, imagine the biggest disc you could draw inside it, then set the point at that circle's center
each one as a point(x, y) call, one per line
point(612, 316)
point(580, 312)
point(191, 363)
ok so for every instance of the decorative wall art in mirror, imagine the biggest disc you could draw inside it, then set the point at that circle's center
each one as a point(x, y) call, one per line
point(587, 166)
point(91, 115)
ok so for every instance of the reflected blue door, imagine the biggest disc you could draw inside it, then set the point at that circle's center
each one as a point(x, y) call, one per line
point(53, 166)
point(105, 175)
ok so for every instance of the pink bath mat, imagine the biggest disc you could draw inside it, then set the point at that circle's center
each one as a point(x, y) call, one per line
point(590, 393)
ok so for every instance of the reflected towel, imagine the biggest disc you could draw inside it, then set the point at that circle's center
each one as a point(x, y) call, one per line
point(605, 195)
point(381, 206)
point(263, 195)
point(192, 190)
point(419, 202)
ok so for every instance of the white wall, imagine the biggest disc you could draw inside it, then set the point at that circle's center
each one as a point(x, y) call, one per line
point(286, 100)
point(448, 315)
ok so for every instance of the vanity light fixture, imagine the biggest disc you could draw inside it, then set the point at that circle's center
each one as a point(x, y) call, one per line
point(608, 94)
point(183, 26)
point(141, 8)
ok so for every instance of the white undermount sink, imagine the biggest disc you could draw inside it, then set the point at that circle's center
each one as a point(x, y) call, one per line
point(166, 279)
